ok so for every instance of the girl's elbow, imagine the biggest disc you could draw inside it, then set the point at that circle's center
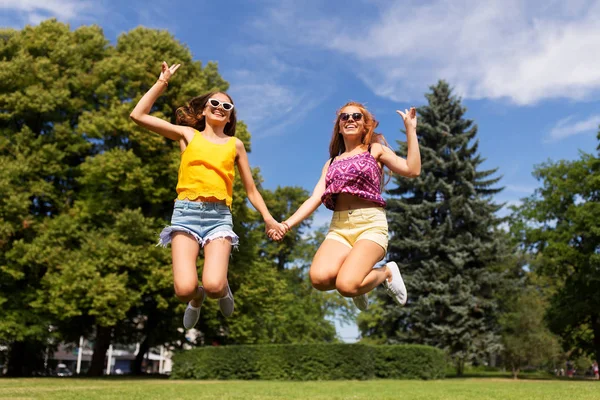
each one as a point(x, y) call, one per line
point(253, 194)
point(315, 200)
point(414, 173)
point(134, 116)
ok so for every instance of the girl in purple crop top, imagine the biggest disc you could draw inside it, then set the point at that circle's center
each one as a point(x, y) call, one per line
point(350, 185)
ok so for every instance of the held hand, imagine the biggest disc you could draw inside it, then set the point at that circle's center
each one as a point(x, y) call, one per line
point(167, 72)
point(270, 224)
point(409, 117)
point(275, 235)
point(283, 229)
point(277, 231)
point(273, 230)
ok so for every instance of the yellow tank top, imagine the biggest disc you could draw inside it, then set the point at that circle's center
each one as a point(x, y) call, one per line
point(207, 170)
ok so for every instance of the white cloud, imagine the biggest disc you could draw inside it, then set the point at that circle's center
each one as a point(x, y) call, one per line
point(35, 18)
point(36, 11)
point(269, 108)
point(269, 93)
point(568, 127)
point(488, 50)
point(518, 50)
point(520, 189)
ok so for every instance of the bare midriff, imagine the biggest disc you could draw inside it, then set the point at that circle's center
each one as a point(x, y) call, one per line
point(345, 201)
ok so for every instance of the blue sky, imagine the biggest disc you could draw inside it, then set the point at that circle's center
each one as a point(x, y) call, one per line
point(528, 71)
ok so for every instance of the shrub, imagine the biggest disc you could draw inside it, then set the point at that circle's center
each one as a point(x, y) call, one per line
point(306, 362)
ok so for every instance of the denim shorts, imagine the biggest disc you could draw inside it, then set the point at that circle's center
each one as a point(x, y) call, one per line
point(204, 221)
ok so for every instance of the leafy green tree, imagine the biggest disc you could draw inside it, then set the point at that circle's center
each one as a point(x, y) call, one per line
point(526, 339)
point(84, 193)
point(44, 89)
point(560, 226)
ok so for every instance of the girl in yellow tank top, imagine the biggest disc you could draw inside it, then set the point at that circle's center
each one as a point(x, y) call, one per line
point(205, 130)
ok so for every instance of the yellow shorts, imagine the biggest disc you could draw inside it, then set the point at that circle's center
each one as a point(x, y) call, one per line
point(350, 226)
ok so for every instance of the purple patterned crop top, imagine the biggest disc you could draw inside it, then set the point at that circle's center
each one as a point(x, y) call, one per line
point(358, 175)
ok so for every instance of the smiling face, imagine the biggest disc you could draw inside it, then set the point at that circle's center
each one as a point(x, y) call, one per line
point(217, 115)
point(351, 121)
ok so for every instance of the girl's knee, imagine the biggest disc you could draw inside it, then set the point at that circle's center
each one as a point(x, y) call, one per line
point(185, 292)
point(322, 281)
point(347, 288)
point(323, 286)
point(215, 289)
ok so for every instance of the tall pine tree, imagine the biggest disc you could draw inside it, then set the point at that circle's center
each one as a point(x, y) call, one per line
point(444, 237)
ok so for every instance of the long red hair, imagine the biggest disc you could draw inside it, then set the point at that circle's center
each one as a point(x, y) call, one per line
point(337, 146)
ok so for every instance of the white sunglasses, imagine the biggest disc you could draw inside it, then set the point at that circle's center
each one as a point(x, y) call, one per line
point(224, 105)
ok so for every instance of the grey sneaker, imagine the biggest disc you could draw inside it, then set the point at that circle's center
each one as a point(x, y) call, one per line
point(226, 303)
point(395, 289)
point(192, 314)
point(361, 302)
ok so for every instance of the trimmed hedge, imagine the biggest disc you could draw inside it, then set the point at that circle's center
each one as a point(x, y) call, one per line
point(305, 362)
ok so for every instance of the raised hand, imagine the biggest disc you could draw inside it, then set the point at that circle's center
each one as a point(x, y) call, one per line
point(167, 72)
point(409, 117)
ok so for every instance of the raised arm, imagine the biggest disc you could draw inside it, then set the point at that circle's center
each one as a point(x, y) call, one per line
point(411, 166)
point(312, 203)
point(141, 113)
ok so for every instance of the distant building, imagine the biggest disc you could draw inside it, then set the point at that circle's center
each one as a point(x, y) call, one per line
point(121, 359)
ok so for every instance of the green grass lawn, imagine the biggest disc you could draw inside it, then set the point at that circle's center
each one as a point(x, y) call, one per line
point(147, 389)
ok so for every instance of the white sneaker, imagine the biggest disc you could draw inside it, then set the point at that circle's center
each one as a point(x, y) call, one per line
point(192, 314)
point(395, 288)
point(361, 302)
point(226, 303)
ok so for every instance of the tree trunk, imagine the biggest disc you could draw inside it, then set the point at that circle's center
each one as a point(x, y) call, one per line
point(460, 367)
point(25, 358)
point(136, 368)
point(515, 372)
point(103, 337)
point(282, 259)
point(149, 328)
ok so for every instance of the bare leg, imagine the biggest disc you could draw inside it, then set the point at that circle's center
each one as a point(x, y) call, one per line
point(216, 263)
point(184, 250)
point(326, 264)
point(357, 275)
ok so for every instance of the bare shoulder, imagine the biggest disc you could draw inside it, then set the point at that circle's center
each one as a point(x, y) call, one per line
point(239, 145)
point(240, 149)
point(377, 150)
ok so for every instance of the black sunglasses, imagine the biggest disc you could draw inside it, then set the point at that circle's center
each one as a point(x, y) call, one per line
point(216, 103)
point(355, 116)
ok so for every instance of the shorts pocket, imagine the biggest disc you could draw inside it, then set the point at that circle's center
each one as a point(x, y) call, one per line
point(177, 215)
point(376, 217)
